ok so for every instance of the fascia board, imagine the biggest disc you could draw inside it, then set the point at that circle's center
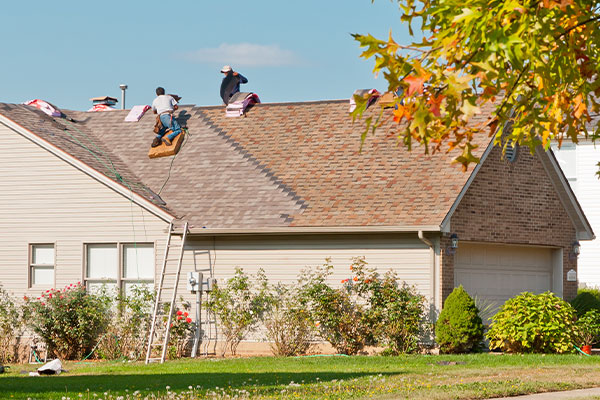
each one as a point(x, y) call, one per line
point(83, 167)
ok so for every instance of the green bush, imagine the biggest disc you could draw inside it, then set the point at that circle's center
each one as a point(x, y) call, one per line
point(127, 333)
point(530, 323)
point(10, 327)
point(584, 302)
point(70, 321)
point(288, 323)
point(239, 305)
point(589, 327)
point(338, 313)
point(459, 328)
point(592, 290)
point(395, 312)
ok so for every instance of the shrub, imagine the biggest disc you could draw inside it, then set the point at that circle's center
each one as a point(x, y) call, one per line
point(10, 327)
point(182, 328)
point(591, 290)
point(70, 320)
point(530, 323)
point(459, 328)
point(584, 302)
point(288, 324)
point(239, 305)
point(394, 312)
point(338, 313)
point(127, 333)
point(589, 327)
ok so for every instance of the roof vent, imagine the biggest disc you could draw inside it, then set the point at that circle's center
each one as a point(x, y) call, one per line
point(510, 154)
point(240, 103)
point(371, 94)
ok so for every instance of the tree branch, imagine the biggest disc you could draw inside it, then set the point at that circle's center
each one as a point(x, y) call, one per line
point(597, 17)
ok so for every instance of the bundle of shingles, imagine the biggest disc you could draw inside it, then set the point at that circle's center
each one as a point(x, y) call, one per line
point(240, 103)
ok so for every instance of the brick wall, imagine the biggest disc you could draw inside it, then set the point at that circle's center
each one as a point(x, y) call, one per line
point(511, 203)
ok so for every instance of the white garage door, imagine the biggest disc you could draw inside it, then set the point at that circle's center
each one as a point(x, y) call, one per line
point(496, 273)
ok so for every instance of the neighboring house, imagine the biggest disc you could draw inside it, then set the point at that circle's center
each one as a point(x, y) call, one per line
point(282, 188)
point(580, 165)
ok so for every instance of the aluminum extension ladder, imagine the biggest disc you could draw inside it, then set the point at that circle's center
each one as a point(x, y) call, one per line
point(158, 338)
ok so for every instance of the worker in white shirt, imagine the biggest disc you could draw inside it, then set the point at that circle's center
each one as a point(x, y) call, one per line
point(164, 105)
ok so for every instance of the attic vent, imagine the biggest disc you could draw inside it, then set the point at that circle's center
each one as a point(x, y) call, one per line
point(371, 94)
point(511, 152)
point(240, 103)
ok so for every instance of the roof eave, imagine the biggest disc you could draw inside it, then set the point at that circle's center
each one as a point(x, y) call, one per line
point(303, 230)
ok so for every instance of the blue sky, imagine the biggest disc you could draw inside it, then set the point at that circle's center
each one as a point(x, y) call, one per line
point(68, 51)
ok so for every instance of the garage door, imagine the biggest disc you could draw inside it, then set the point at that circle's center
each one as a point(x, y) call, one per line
point(496, 273)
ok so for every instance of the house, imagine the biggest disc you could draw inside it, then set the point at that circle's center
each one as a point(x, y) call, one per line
point(579, 163)
point(282, 188)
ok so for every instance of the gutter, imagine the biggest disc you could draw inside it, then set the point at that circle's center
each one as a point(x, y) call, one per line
point(293, 230)
point(432, 267)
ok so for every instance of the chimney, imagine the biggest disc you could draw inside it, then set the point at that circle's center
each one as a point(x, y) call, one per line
point(123, 89)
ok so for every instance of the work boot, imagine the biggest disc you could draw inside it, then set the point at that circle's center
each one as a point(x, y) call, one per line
point(166, 140)
point(156, 142)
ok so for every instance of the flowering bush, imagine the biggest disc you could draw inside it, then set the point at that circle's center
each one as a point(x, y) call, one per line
point(70, 320)
point(239, 304)
point(288, 323)
point(395, 312)
point(182, 328)
point(10, 327)
point(127, 332)
point(338, 313)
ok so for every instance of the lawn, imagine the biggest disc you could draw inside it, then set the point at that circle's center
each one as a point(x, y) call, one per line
point(414, 377)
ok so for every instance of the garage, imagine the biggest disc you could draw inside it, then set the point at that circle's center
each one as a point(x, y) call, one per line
point(495, 273)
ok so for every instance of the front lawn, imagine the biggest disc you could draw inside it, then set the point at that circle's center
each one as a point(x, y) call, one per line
point(414, 377)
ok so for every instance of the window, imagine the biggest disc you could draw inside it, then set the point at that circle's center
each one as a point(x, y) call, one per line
point(41, 265)
point(121, 266)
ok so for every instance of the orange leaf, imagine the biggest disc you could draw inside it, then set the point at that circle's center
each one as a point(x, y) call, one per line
point(435, 102)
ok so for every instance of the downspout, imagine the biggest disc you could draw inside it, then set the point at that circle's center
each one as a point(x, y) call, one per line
point(432, 272)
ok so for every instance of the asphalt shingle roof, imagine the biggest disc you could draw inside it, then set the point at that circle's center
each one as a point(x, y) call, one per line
point(283, 165)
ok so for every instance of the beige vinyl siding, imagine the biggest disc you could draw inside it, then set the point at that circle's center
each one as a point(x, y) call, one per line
point(46, 200)
point(283, 257)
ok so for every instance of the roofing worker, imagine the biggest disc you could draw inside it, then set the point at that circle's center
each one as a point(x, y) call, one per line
point(231, 83)
point(164, 105)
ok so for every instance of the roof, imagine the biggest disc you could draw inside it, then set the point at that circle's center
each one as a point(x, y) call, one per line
point(283, 167)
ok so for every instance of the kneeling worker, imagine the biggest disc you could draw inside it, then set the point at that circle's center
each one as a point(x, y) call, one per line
point(164, 105)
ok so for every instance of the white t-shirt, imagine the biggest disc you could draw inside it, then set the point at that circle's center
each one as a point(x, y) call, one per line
point(163, 103)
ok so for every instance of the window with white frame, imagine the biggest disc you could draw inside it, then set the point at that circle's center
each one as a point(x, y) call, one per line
point(119, 266)
point(41, 265)
point(567, 159)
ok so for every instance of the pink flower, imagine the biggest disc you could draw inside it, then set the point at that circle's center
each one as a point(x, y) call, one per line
point(43, 304)
point(50, 295)
point(62, 297)
point(179, 317)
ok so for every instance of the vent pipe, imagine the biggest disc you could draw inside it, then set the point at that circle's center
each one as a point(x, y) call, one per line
point(123, 89)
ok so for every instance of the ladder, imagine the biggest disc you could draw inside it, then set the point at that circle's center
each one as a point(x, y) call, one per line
point(158, 338)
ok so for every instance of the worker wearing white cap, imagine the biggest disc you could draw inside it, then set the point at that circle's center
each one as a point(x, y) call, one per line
point(231, 83)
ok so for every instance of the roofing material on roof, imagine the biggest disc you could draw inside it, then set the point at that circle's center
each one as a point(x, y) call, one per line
point(285, 167)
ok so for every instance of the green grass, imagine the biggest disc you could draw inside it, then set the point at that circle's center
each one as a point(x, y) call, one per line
point(426, 377)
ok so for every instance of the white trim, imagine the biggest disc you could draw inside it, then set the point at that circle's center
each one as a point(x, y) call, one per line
point(445, 226)
point(83, 167)
point(309, 229)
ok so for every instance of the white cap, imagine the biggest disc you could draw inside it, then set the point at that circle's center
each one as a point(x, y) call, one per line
point(226, 68)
